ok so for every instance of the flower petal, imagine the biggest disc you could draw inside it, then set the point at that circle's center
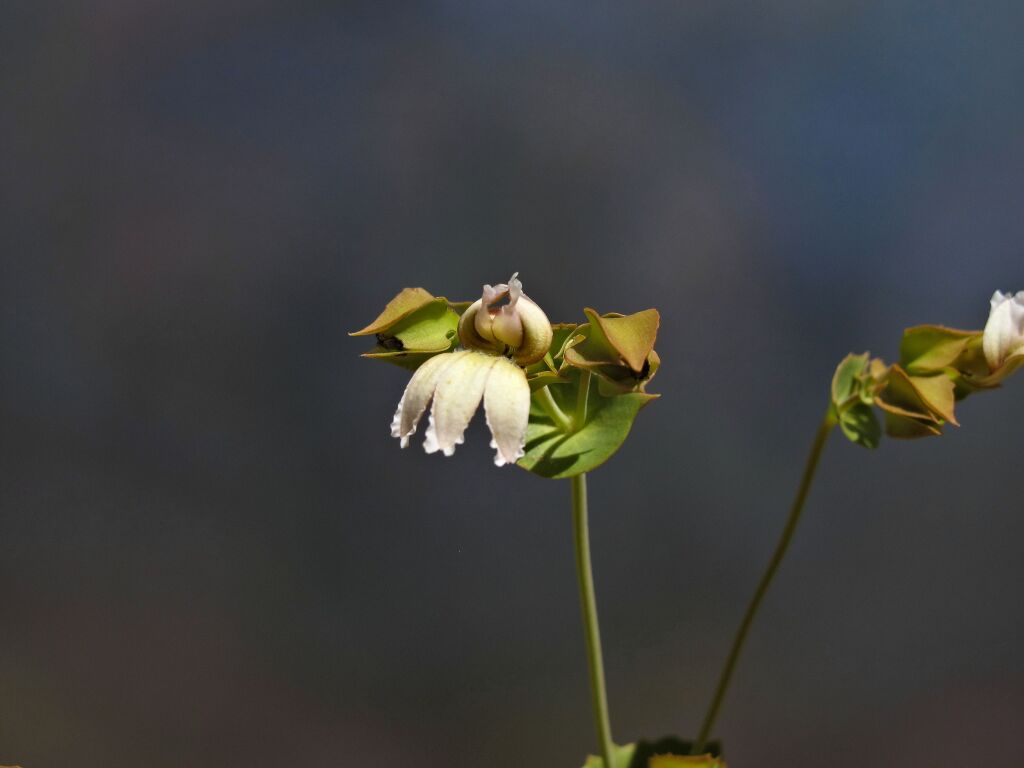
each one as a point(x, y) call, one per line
point(418, 393)
point(1004, 331)
point(507, 405)
point(456, 398)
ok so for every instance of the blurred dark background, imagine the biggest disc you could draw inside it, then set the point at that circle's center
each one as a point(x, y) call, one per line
point(213, 554)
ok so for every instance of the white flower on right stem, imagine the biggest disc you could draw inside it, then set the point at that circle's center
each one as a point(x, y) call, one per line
point(1004, 331)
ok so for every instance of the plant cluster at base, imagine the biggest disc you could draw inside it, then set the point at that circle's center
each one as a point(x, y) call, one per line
point(669, 752)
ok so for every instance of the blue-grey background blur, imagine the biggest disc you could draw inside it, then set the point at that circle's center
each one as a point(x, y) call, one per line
point(213, 554)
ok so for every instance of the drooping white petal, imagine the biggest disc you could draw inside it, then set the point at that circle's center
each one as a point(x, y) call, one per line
point(417, 395)
point(456, 398)
point(1004, 331)
point(507, 405)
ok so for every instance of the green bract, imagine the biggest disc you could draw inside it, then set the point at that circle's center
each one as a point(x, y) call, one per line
point(587, 382)
point(618, 349)
point(413, 326)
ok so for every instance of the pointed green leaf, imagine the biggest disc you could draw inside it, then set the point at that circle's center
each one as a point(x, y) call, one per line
point(631, 336)
point(429, 330)
point(930, 348)
point(937, 393)
point(602, 346)
point(900, 393)
point(845, 381)
point(613, 339)
point(403, 305)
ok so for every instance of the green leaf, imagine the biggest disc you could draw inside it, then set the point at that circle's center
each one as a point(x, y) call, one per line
point(403, 305)
point(430, 329)
point(846, 380)
point(552, 453)
point(616, 340)
point(937, 394)
point(907, 413)
point(860, 425)
point(901, 394)
point(618, 349)
point(631, 336)
point(930, 348)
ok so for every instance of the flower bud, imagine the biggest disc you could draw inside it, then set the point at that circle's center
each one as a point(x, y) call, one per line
point(518, 326)
point(1004, 331)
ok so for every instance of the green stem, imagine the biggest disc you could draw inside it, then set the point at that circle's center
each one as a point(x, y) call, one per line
point(588, 603)
point(766, 579)
point(580, 417)
point(557, 415)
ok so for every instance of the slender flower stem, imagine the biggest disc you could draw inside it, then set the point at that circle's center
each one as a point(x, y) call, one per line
point(588, 604)
point(547, 402)
point(580, 417)
point(766, 579)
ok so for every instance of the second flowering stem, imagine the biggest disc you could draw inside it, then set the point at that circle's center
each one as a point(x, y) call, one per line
point(766, 579)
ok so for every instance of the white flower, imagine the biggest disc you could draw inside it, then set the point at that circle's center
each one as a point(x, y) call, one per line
point(1004, 331)
point(455, 382)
